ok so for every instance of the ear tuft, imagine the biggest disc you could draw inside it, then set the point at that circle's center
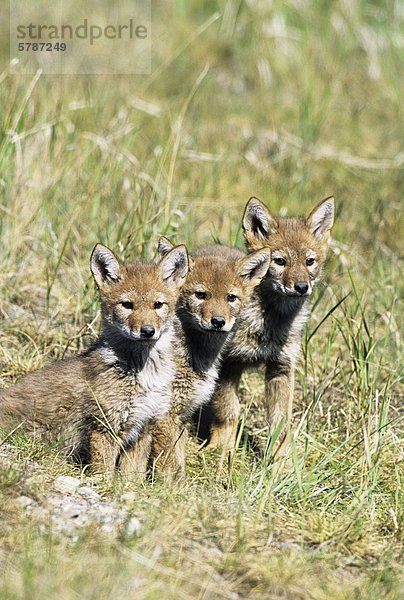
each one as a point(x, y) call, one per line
point(321, 219)
point(257, 221)
point(253, 267)
point(164, 246)
point(174, 266)
point(104, 265)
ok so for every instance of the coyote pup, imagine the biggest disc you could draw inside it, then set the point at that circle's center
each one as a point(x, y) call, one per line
point(217, 287)
point(270, 326)
point(97, 404)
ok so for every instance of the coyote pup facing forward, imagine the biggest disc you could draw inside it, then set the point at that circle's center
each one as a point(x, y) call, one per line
point(217, 287)
point(270, 327)
point(97, 404)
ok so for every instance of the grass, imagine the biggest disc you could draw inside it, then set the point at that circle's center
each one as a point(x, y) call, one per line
point(291, 102)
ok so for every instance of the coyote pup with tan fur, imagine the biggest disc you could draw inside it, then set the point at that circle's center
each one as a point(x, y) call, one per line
point(216, 289)
point(97, 404)
point(270, 327)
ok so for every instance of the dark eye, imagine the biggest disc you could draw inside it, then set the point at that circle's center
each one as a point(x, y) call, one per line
point(200, 295)
point(280, 261)
point(309, 261)
point(128, 305)
point(158, 304)
point(231, 297)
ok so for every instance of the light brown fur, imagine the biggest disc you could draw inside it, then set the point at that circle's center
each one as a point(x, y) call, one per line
point(270, 327)
point(97, 404)
point(223, 284)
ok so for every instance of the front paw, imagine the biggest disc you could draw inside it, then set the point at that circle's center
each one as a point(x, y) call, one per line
point(223, 437)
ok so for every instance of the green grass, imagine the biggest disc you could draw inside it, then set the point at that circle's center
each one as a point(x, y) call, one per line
point(288, 101)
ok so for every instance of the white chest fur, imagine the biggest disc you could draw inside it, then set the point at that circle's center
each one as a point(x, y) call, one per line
point(147, 391)
point(203, 389)
point(155, 380)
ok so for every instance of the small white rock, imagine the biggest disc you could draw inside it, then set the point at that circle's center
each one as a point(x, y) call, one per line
point(88, 493)
point(24, 501)
point(66, 484)
point(128, 497)
point(133, 527)
point(72, 511)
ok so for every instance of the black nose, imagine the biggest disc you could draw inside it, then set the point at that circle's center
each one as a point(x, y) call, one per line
point(218, 322)
point(147, 331)
point(301, 287)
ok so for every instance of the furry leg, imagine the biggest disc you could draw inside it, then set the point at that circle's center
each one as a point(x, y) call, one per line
point(226, 409)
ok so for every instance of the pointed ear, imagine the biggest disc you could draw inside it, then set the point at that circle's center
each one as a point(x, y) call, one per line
point(321, 219)
point(174, 266)
point(253, 267)
point(258, 223)
point(164, 246)
point(104, 265)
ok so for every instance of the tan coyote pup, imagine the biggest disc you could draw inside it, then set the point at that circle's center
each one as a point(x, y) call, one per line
point(217, 287)
point(98, 403)
point(271, 325)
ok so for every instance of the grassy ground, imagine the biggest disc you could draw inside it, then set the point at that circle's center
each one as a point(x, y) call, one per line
point(289, 101)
